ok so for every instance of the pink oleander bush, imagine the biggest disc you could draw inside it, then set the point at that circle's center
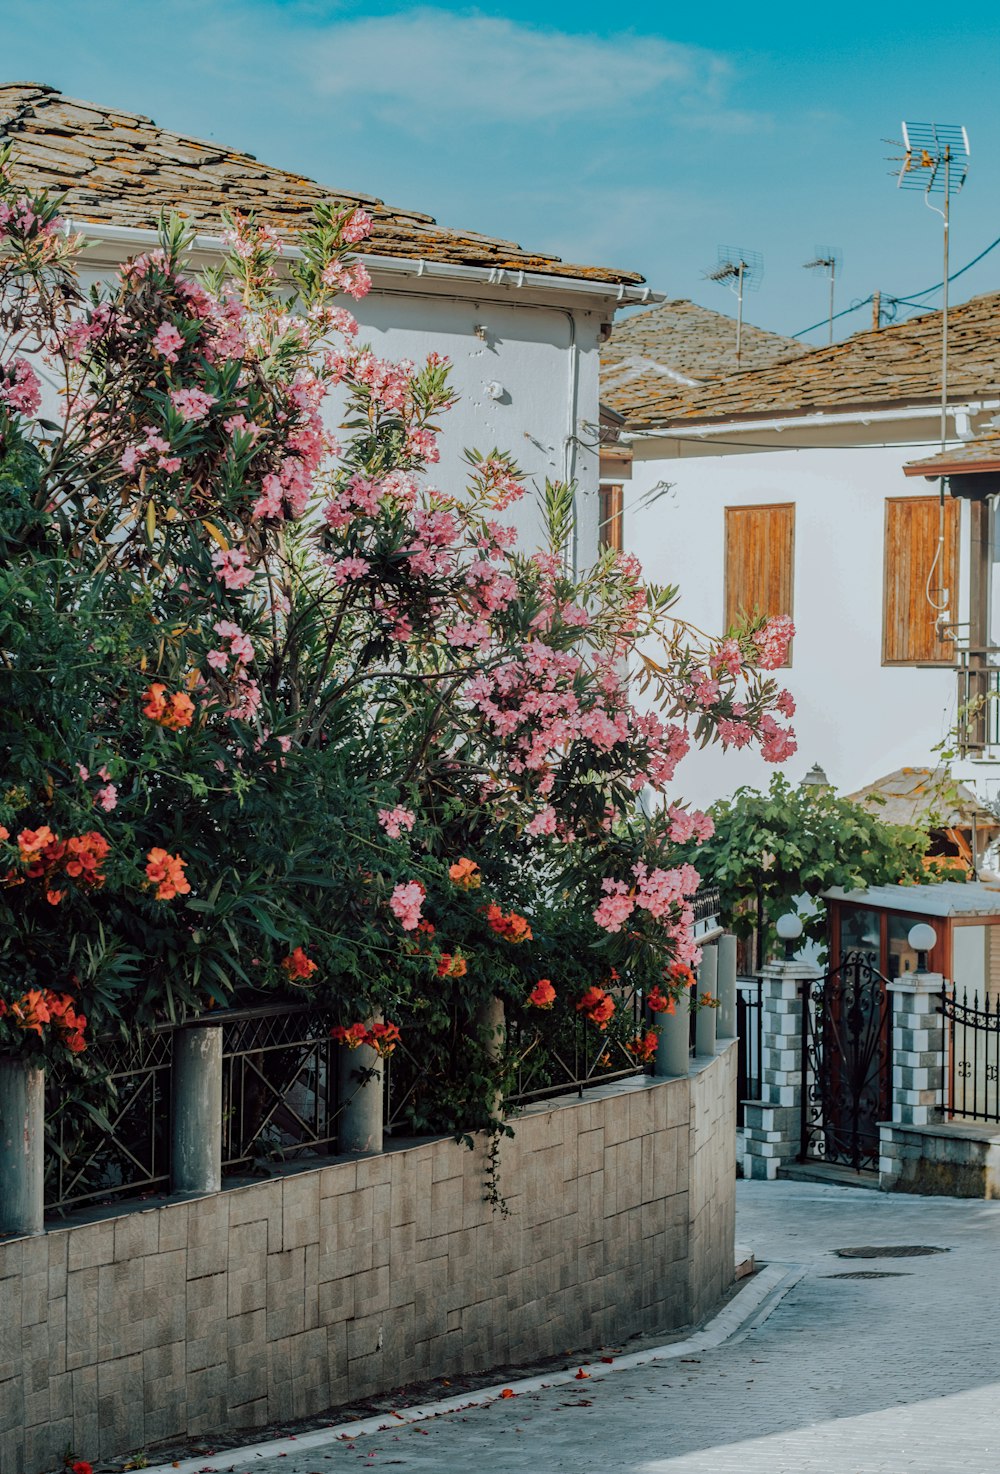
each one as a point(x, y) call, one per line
point(315, 707)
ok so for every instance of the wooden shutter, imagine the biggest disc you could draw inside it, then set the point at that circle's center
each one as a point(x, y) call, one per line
point(909, 634)
point(760, 561)
point(610, 533)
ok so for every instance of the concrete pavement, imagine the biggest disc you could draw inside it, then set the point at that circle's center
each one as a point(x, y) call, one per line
point(845, 1376)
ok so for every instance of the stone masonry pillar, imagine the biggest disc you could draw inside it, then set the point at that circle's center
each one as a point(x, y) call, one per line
point(22, 1147)
point(773, 1124)
point(196, 1163)
point(726, 1026)
point(918, 1064)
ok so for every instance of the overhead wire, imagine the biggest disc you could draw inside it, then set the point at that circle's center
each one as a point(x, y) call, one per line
point(909, 301)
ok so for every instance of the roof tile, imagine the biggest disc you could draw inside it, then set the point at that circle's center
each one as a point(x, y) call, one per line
point(898, 365)
point(120, 168)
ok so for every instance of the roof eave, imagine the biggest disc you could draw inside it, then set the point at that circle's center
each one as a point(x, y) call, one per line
point(128, 238)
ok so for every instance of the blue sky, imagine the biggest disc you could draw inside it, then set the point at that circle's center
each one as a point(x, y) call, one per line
point(643, 137)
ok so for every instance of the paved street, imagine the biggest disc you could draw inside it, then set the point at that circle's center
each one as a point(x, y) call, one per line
point(846, 1376)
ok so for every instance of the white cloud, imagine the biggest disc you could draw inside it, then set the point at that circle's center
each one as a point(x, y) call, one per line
point(433, 63)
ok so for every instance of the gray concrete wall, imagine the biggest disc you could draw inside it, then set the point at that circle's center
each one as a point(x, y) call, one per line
point(286, 1297)
point(955, 1159)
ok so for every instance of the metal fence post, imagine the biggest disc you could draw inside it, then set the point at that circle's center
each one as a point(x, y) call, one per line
point(22, 1146)
point(196, 1159)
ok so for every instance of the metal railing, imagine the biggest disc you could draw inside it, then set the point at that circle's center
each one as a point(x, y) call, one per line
point(561, 1054)
point(706, 903)
point(279, 1086)
point(749, 1042)
point(972, 1075)
point(978, 675)
point(122, 1147)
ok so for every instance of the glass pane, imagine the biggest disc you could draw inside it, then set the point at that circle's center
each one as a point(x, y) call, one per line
point(859, 932)
point(902, 957)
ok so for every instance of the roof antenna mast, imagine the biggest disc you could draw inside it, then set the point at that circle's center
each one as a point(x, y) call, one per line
point(826, 259)
point(740, 271)
point(936, 161)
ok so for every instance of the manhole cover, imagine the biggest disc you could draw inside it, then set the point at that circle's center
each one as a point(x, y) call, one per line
point(871, 1274)
point(888, 1251)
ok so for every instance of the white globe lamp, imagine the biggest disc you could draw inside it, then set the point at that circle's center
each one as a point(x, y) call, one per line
point(789, 929)
point(921, 938)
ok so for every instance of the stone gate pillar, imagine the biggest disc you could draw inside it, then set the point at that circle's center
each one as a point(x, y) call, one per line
point(773, 1124)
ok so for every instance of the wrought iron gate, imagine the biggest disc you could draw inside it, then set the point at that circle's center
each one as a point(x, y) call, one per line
point(846, 1064)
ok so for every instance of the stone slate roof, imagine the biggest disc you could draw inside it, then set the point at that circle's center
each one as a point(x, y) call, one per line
point(894, 366)
point(661, 351)
point(918, 795)
point(120, 168)
point(962, 460)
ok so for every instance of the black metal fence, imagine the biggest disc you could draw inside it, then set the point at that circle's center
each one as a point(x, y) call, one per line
point(972, 1030)
point(749, 1045)
point(116, 1145)
point(279, 1086)
point(563, 1053)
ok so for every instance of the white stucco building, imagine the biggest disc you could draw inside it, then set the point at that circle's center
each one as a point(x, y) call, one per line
point(523, 330)
point(783, 489)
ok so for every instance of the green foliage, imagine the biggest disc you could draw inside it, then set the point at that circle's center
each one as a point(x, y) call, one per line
point(770, 849)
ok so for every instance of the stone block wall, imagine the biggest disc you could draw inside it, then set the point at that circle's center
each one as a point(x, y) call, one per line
point(284, 1297)
point(955, 1159)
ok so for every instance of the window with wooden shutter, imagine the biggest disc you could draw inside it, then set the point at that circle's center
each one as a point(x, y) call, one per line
point(915, 583)
point(612, 504)
point(760, 562)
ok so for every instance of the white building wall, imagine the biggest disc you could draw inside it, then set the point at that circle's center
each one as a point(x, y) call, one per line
point(525, 369)
point(858, 718)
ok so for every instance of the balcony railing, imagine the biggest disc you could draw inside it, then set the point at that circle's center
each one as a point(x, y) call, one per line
point(979, 702)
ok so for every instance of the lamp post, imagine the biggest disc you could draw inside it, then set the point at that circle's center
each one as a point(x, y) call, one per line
point(789, 929)
point(921, 938)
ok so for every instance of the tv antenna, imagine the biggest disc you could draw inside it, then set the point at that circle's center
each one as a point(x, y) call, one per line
point(936, 161)
point(827, 259)
point(741, 271)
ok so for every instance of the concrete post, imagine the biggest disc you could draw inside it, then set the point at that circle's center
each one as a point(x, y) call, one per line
point(196, 1162)
point(708, 982)
point(361, 1097)
point(726, 1025)
point(918, 1065)
point(22, 1147)
point(773, 1124)
point(491, 1027)
point(673, 1048)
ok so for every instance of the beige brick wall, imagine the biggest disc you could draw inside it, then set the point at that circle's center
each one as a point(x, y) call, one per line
point(289, 1296)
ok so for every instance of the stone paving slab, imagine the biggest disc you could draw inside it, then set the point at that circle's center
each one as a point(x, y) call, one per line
point(898, 1375)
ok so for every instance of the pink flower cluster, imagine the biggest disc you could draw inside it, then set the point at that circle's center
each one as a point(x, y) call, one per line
point(240, 647)
point(688, 824)
point(20, 387)
point(777, 743)
point(287, 490)
point(167, 341)
point(773, 640)
point(191, 404)
point(663, 894)
point(405, 903)
point(394, 821)
point(153, 445)
point(231, 568)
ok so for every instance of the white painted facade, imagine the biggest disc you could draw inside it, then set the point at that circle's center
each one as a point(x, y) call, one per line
point(524, 349)
point(856, 716)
